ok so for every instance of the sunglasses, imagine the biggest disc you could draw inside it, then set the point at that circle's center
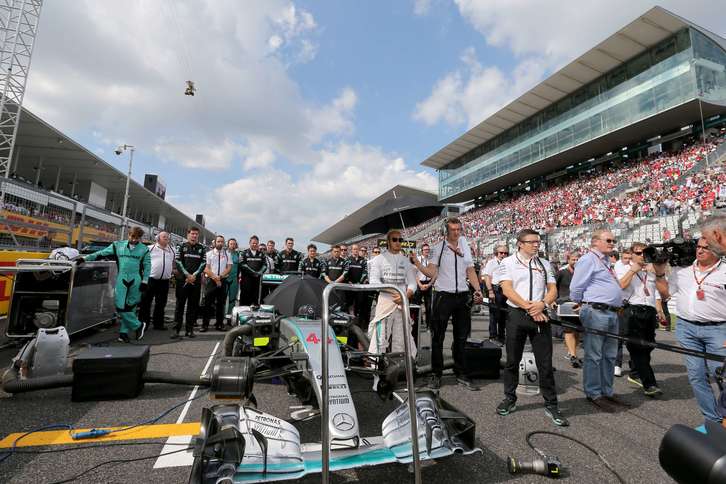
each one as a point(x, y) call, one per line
point(531, 241)
point(396, 239)
point(637, 252)
point(376, 251)
point(503, 253)
point(704, 247)
point(609, 241)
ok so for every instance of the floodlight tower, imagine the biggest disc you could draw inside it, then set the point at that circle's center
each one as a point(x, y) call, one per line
point(18, 28)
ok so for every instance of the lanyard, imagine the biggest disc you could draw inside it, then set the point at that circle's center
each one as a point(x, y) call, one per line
point(531, 275)
point(643, 280)
point(713, 268)
point(608, 268)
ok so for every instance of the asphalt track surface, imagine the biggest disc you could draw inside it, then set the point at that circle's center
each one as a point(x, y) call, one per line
point(629, 440)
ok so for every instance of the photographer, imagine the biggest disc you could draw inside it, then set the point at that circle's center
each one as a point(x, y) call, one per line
point(640, 283)
point(700, 292)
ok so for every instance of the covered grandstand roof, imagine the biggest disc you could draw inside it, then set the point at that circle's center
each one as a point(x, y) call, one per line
point(354, 225)
point(644, 32)
point(37, 139)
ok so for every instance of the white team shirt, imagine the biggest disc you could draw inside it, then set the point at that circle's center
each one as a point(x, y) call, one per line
point(451, 276)
point(420, 276)
point(388, 268)
point(641, 289)
point(493, 270)
point(162, 261)
point(535, 273)
point(218, 261)
point(682, 285)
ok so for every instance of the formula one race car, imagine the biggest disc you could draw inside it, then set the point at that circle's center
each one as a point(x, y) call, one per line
point(241, 443)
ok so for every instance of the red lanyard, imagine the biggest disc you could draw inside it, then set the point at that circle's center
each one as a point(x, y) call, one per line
point(609, 269)
point(643, 280)
point(713, 268)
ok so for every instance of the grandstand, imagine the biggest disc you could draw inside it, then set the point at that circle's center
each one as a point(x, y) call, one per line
point(630, 134)
point(61, 193)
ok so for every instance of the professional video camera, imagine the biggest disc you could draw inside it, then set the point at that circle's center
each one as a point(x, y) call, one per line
point(677, 252)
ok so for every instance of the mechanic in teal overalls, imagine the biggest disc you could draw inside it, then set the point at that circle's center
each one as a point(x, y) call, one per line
point(233, 277)
point(134, 266)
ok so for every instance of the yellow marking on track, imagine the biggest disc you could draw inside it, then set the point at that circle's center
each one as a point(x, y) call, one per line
point(63, 437)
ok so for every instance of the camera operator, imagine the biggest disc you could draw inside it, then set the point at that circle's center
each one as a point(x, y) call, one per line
point(529, 284)
point(700, 292)
point(640, 283)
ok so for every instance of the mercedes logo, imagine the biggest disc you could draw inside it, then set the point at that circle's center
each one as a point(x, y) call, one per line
point(343, 421)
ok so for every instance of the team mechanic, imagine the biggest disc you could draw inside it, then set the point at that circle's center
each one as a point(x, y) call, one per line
point(311, 265)
point(253, 264)
point(134, 266)
point(190, 262)
point(288, 260)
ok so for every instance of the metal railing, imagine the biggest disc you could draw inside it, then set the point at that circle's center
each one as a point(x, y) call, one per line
point(325, 397)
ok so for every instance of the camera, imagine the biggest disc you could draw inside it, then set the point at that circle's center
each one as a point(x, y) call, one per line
point(118, 150)
point(677, 252)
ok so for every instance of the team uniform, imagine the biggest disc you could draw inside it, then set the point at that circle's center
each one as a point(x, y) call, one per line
point(134, 267)
point(232, 282)
point(190, 260)
point(252, 266)
point(311, 267)
point(162, 265)
point(288, 262)
point(335, 268)
point(358, 274)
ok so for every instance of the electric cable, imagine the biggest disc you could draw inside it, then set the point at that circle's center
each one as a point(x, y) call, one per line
point(529, 436)
point(120, 461)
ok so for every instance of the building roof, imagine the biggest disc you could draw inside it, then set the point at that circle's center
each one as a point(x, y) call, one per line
point(36, 138)
point(350, 226)
point(639, 35)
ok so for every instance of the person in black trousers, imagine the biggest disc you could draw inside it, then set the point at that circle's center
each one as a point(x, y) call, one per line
point(529, 284)
point(217, 268)
point(190, 262)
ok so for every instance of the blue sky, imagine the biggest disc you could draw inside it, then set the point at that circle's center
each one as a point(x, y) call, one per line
point(307, 109)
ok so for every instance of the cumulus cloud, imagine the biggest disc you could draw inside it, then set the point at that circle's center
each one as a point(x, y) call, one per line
point(345, 177)
point(421, 7)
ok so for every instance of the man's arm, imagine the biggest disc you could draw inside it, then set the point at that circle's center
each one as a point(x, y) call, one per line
point(324, 272)
point(625, 273)
point(581, 278)
point(179, 264)
point(105, 252)
point(345, 272)
point(146, 264)
point(429, 271)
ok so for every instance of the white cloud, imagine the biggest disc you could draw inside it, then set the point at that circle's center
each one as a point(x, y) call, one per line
point(473, 92)
point(345, 177)
point(193, 154)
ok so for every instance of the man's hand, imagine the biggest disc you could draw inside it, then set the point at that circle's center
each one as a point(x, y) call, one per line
point(191, 278)
point(397, 298)
point(538, 307)
point(79, 260)
point(540, 318)
point(576, 308)
point(478, 297)
point(635, 267)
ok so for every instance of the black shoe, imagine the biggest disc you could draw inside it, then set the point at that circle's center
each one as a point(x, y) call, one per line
point(575, 361)
point(140, 331)
point(218, 327)
point(175, 335)
point(605, 405)
point(204, 329)
point(123, 338)
point(190, 334)
point(466, 382)
point(434, 382)
point(506, 407)
point(558, 419)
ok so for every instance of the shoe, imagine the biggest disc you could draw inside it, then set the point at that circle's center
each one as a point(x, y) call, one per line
point(635, 381)
point(653, 391)
point(465, 381)
point(204, 329)
point(175, 335)
point(558, 419)
point(603, 404)
point(618, 371)
point(190, 334)
point(501, 341)
point(506, 407)
point(140, 331)
point(218, 327)
point(575, 362)
point(616, 401)
point(123, 338)
point(434, 382)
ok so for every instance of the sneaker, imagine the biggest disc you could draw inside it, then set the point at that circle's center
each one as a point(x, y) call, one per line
point(653, 391)
point(123, 338)
point(465, 381)
point(506, 407)
point(635, 381)
point(616, 401)
point(558, 419)
point(618, 371)
point(575, 362)
point(140, 331)
point(434, 382)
